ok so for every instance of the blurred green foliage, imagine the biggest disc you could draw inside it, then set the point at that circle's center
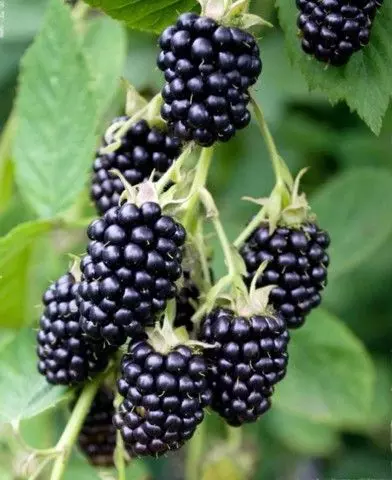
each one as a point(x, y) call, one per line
point(332, 413)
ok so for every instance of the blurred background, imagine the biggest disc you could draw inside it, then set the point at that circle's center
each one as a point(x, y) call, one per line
point(331, 418)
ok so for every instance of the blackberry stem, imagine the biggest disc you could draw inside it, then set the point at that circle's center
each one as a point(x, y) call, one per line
point(194, 453)
point(250, 228)
point(74, 425)
point(189, 220)
point(168, 176)
point(282, 173)
point(234, 436)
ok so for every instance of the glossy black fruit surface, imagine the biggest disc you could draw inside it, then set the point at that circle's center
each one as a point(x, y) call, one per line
point(250, 357)
point(66, 357)
point(133, 261)
point(164, 397)
point(333, 30)
point(297, 264)
point(143, 150)
point(208, 70)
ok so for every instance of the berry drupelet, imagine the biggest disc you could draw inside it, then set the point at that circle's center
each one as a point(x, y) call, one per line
point(208, 70)
point(333, 30)
point(297, 265)
point(66, 357)
point(97, 438)
point(133, 261)
point(143, 150)
point(164, 397)
point(249, 359)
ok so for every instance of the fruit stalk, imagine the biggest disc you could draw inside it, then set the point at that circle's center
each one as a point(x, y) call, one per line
point(74, 425)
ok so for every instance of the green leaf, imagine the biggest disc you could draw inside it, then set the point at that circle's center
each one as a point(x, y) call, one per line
point(331, 376)
point(354, 210)
point(105, 45)
point(301, 435)
point(56, 117)
point(15, 252)
point(6, 167)
point(24, 393)
point(152, 16)
point(370, 67)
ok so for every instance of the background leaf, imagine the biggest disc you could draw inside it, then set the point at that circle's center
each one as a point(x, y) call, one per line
point(24, 393)
point(152, 16)
point(105, 45)
point(356, 227)
point(15, 252)
point(371, 66)
point(300, 434)
point(56, 117)
point(331, 376)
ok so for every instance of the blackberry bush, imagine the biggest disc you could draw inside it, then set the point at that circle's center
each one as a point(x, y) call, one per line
point(297, 264)
point(164, 397)
point(97, 438)
point(133, 261)
point(143, 149)
point(250, 357)
point(208, 70)
point(66, 356)
point(333, 30)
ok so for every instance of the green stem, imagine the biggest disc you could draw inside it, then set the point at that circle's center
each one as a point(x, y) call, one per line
point(282, 172)
point(173, 170)
point(194, 453)
point(234, 437)
point(250, 228)
point(226, 247)
point(189, 220)
point(74, 425)
point(201, 248)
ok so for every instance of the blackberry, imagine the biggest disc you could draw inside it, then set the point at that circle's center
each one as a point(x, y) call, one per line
point(186, 299)
point(249, 359)
point(297, 265)
point(65, 355)
point(143, 150)
point(208, 70)
point(133, 261)
point(164, 397)
point(333, 30)
point(97, 438)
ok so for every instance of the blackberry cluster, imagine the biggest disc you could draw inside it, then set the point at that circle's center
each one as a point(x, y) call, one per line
point(333, 30)
point(208, 70)
point(297, 265)
point(65, 355)
point(164, 398)
point(97, 438)
point(133, 261)
point(249, 359)
point(142, 151)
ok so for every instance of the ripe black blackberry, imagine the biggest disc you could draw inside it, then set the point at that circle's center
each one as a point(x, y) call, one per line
point(208, 70)
point(97, 438)
point(186, 300)
point(333, 30)
point(143, 149)
point(297, 265)
point(65, 355)
point(249, 359)
point(133, 261)
point(164, 398)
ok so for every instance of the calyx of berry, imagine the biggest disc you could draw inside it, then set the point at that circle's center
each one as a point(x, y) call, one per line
point(231, 13)
point(165, 338)
point(150, 112)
